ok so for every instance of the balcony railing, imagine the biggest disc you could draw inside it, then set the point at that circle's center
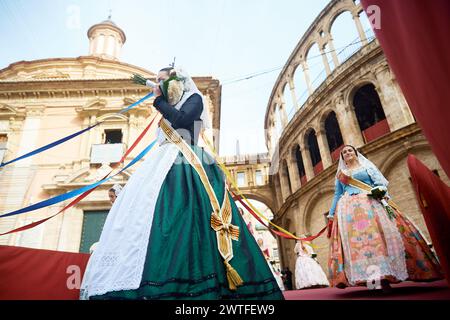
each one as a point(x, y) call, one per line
point(318, 168)
point(377, 130)
point(303, 180)
point(336, 153)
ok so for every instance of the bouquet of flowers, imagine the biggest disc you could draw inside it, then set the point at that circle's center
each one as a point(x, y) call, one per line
point(379, 193)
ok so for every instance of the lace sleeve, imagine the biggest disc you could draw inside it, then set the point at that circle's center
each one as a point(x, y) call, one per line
point(338, 191)
point(376, 177)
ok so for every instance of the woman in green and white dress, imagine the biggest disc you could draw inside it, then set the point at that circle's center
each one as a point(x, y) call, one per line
point(160, 239)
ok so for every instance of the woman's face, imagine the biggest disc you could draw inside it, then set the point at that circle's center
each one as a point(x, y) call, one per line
point(162, 75)
point(348, 154)
point(112, 196)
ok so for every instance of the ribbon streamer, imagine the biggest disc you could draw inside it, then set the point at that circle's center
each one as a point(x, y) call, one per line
point(62, 140)
point(79, 191)
point(85, 190)
point(74, 193)
point(49, 146)
point(283, 233)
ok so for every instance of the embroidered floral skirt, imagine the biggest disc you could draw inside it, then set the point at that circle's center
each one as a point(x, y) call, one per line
point(182, 259)
point(366, 246)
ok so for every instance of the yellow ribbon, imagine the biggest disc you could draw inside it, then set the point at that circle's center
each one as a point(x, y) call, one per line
point(365, 187)
point(230, 178)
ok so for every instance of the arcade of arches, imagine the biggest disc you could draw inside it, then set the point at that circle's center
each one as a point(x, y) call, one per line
point(310, 118)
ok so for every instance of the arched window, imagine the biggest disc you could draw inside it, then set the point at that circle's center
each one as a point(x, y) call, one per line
point(346, 39)
point(301, 88)
point(315, 66)
point(334, 136)
point(369, 112)
point(314, 152)
point(300, 165)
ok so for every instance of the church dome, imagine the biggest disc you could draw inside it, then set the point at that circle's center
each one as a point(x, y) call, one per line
point(106, 40)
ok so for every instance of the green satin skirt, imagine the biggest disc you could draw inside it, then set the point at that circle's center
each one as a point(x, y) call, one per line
point(182, 260)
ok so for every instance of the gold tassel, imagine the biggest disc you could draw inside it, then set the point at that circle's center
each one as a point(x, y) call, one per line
point(234, 280)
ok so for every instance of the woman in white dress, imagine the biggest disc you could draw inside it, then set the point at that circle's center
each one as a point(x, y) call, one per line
point(308, 273)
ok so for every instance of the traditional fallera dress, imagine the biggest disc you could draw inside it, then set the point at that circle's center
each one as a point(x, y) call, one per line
point(174, 232)
point(367, 243)
point(308, 272)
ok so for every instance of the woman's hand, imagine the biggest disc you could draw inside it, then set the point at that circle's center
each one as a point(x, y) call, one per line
point(157, 91)
point(329, 226)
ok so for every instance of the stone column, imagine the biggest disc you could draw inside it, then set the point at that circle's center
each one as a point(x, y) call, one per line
point(292, 88)
point(359, 26)
point(283, 113)
point(250, 177)
point(307, 78)
point(293, 172)
point(350, 130)
point(285, 192)
point(273, 135)
point(323, 148)
point(277, 187)
point(398, 114)
point(325, 61)
point(307, 163)
point(333, 52)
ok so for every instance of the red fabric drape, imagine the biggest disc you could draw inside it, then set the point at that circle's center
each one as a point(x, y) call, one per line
point(434, 201)
point(35, 274)
point(414, 35)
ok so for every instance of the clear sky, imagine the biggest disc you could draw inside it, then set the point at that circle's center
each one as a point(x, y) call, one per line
point(227, 39)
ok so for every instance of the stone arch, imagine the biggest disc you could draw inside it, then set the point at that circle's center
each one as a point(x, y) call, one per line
point(387, 164)
point(357, 83)
point(307, 49)
point(312, 144)
point(300, 163)
point(301, 87)
point(323, 115)
point(333, 133)
point(318, 204)
point(335, 15)
point(395, 169)
point(369, 111)
point(343, 21)
point(316, 67)
point(261, 198)
point(310, 204)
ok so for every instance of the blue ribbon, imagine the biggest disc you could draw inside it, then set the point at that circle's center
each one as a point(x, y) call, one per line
point(62, 140)
point(137, 102)
point(51, 145)
point(76, 192)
